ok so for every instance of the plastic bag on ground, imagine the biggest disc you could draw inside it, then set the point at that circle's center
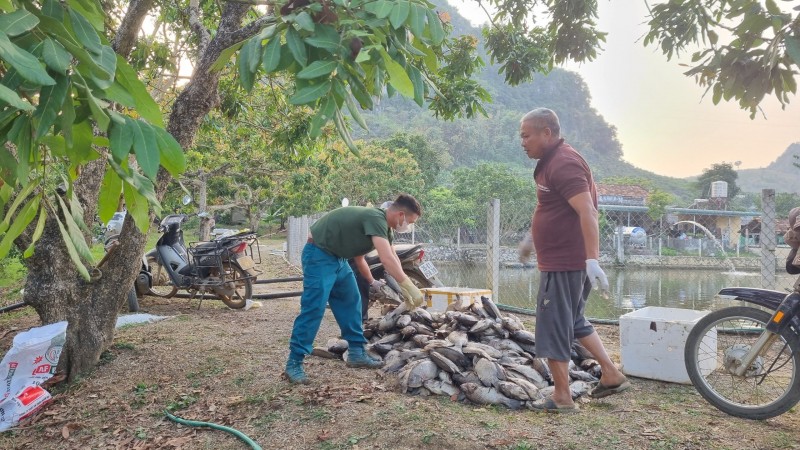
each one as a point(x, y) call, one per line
point(32, 360)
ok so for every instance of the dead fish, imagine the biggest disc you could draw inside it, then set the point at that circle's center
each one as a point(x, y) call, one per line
point(324, 353)
point(390, 319)
point(382, 348)
point(482, 325)
point(422, 315)
point(580, 388)
point(422, 371)
point(524, 337)
point(445, 376)
point(390, 338)
point(434, 343)
point(530, 388)
point(489, 372)
point(458, 338)
point(479, 311)
point(460, 304)
point(443, 363)
point(454, 354)
point(403, 321)
point(439, 387)
point(528, 373)
point(393, 362)
point(422, 328)
point(583, 352)
point(475, 351)
point(588, 363)
point(488, 396)
point(491, 308)
point(529, 348)
point(512, 323)
point(468, 320)
point(408, 331)
point(421, 340)
point(493, 352)
point(540, 364)
point(337, 345)
point(513, 390)
point(466, 377)
point(582, 376)
point(505, 345)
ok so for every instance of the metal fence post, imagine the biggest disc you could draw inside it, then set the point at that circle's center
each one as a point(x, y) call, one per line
point(493, 248)
point(768, 239)
point(620, 241)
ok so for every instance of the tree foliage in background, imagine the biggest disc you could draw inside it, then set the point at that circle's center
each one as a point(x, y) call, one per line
point(717, 172)
point(657, 202)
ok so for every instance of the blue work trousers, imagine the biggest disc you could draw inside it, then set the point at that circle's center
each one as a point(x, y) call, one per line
point(326, 280)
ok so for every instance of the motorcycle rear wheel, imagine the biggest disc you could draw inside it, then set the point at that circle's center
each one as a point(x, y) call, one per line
point(161, 284)
point(243, 287)
point(772, 387)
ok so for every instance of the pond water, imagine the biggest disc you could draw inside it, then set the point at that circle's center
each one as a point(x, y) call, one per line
point(630, 288)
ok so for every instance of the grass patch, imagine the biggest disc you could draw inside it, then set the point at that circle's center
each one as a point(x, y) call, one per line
point(124, 346)
point(183, 402)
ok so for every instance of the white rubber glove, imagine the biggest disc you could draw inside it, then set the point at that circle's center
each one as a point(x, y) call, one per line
point(412, 296)
point(595, 274)
point(376, 285)
point(525, 248)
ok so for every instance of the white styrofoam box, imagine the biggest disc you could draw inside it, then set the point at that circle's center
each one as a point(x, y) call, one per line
point(439, 298)
point(652, 341)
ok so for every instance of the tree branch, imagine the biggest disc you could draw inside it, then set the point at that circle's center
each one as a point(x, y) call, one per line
point(130, 26)
point(203, 36)
point(247, 31)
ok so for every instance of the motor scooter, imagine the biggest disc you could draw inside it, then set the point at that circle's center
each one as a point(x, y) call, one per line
point(423, 274)
point(224, 266)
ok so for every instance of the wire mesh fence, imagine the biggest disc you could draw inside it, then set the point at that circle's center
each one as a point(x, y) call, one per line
point(681, 259)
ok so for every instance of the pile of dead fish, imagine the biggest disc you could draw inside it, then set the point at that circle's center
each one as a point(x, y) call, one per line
point(469, 352)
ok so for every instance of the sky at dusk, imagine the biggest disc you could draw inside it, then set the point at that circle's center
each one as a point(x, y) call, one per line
point(663, 122)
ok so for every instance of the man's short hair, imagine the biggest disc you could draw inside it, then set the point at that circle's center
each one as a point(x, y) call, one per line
point(544, 118)
point(407, 203)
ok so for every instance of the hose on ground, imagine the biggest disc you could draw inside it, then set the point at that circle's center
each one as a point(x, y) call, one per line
point(235, 432)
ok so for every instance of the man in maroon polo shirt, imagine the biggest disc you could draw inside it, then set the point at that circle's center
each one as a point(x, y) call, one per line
point(565, 236)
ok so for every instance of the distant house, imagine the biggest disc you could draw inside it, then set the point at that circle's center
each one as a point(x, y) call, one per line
point(751, 231)
point(621, 194)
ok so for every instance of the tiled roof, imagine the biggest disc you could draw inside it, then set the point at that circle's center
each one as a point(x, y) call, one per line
point(622, 190)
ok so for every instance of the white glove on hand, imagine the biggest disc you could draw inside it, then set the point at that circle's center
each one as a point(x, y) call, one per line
point(595, 273)
point(411, 294)
point(525, 248)
point(376, 285)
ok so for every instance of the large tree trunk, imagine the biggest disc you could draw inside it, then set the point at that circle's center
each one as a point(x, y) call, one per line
point(54, 287)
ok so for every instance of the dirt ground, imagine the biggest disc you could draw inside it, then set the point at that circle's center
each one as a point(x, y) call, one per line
point(218, 365)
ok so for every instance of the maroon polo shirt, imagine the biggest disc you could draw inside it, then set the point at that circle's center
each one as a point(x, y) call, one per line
point(560, 174)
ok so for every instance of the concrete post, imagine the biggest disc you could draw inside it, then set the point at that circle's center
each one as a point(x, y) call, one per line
point(493, 249)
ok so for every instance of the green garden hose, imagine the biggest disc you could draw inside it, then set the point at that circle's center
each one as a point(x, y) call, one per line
point(194, 423)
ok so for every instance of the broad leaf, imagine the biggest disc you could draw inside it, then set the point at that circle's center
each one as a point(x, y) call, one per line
point(435, 27)
point(317, 69)
point(416, 20)
point(55, 56)
point(338, 119)
point(398, 78)
point(85, 32)
point(67, 119)
point(325, 36)
point(14, 100)
point(251, 52)
point(18, 200)
point(143, 186)
point(92, 10)
point(8, 169)
point(304, 21)
point(272, 54)
point(37, 233)
point(121, 140)
point(25, 217)
point(18, 22)
point(145, 105)
point(354, 111)
point(137, 206)
point(106, 60)
point(110, 190)
point(399, 13)
point(226, 56)
point(172, 157)
point(53, 8)
point(50, 100)
point(75, 232)
point(145, 147)
point(296, 46)
point(311, 93)
point(20, 135)
point(381, 8)
point(26, 64)
point(324, 114)
point(793, 47)
point(73, 253)
point(246, 77)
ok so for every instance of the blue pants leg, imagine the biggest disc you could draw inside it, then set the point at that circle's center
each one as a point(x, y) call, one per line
point(320, 272)
point(345, 301)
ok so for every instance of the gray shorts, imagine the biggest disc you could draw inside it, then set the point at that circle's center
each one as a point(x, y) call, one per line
point(559, 313)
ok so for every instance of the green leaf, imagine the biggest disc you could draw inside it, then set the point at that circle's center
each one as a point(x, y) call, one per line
point(246, 77)
point(435, 27)
point(272, 55)
point(8, 169)
point(793, 47)
point(326, 112)
point(20, 134)
point(145, 105)
point(72, 251)
point(310, 93)
point(110, 190)
point(75, 234)
point(325, 36)
point(381, 8)
point(354, 111)
point(26, 64)
point(84, 32)
point(23, 194)
point(304, 21)
point(50, 100)
point(121, 140)
point(146, 148)
point(53, 8)
point(226, 56)
point(67, 119)
point(55, 56)
point(18, 22)
point(10, 97)
point(399, 14)
point(81, 147)
point(416, 20)
point(317, 69)
point(296, 46)
point(419, 86)
point(252, 51)
point(344, 133)
point(398, 78)
point(37, 233)
point(106, 60)
point(94, 103)
point(118, 94)
point(137, 206)
point(143, 186)
point(55, 143)
point(57, 30)
point(25, 217)
point(172, 157)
